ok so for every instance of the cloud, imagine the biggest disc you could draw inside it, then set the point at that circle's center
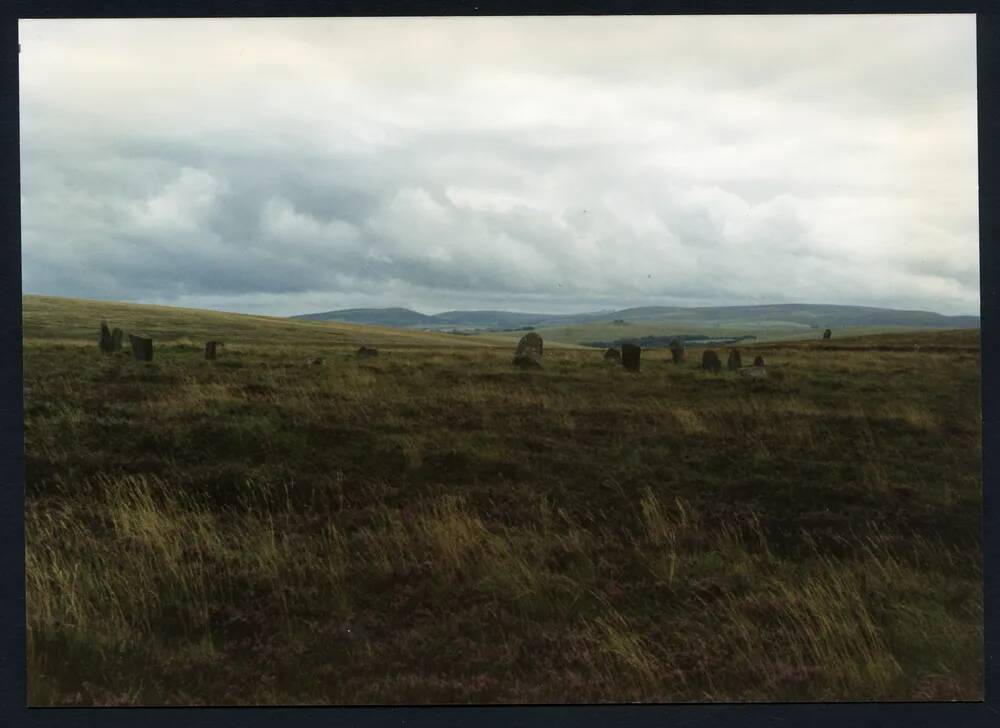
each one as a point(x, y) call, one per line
point(287, 165)
point(180, 206)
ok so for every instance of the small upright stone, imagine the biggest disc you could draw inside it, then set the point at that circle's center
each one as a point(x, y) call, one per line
point(676, 351)
point(529, 341)
point(612, 355)
point(210, 347)
point(758, 361)
point(710, 361)
point(630, 356)
point(735, 361)
point(827, 334)
point(116, 340)
point(366, 352)
point(142, 347)
point(106, 345)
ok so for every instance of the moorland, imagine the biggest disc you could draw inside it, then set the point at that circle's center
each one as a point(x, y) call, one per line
point(291, 523)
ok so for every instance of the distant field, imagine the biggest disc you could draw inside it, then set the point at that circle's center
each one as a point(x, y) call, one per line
point(436, 526)
point(763, 331)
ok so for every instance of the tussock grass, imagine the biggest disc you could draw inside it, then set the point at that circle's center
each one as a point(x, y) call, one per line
point(623, 643)
point(434, 525)
point(821, 625)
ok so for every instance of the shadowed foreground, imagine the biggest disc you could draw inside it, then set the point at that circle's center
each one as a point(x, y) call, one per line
point(433, 525)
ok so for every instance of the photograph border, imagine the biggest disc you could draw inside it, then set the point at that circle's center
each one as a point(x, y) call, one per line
point(13, 677)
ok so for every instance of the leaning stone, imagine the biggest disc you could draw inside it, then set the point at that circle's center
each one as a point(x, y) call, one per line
point(106, 345)
point(735, 361)
point(710, 361)
point(365, 352)
point(142, 347)
point(758, 361)
point(529, 359)
point(612, 355)
point(630, 356)
point(116, 340)
point(529, 341)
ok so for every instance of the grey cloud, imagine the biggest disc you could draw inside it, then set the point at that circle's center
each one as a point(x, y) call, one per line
point(565, 164)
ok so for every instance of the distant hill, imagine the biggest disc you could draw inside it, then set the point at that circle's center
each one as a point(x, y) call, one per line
point(490, 320)
point(173, 328)
point(817, 315)
point(785, 314)
point(398, 317)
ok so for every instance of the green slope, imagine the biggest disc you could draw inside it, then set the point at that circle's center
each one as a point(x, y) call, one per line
point(77, 322)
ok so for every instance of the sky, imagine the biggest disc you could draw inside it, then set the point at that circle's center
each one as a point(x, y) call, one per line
point(556, 165)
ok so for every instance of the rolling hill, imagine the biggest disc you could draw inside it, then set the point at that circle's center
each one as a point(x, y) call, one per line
point(793, 314)
point(491, 320)
point(75, 322)
point(400, 317)
point(655, 325)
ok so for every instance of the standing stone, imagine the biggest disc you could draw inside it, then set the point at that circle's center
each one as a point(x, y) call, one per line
point(676, 351)
point(827, 334)
point(142, 348)
point(106, 345)
point(365, 352)
point(116, 340)
point(758, 361)
point(735, 361)
point(210, 347)
point(710, 361)
point(529, 341)
point(528, 359)
point(630, 356)
point(612, 355)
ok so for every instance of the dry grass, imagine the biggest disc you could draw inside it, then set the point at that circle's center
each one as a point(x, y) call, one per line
point(435, 526)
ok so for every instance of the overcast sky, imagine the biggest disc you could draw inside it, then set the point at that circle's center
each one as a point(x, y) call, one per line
point(529, 164)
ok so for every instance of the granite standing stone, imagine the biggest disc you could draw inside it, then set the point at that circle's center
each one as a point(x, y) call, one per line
point(710, 361)
point(106, 345)
point(528, 359)
point(630, 356)
point(142, 347)
point(529, 341)
point(676, 351)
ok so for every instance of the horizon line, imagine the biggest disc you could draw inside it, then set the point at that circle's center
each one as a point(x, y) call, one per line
point(477, 310)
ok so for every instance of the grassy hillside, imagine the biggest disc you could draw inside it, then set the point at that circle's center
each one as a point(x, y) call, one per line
point(74, 322)
point(764, 331)
point(766, 323)
point(737, 320)
point(920, 340)
point(435, 526)
point(803, 314)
